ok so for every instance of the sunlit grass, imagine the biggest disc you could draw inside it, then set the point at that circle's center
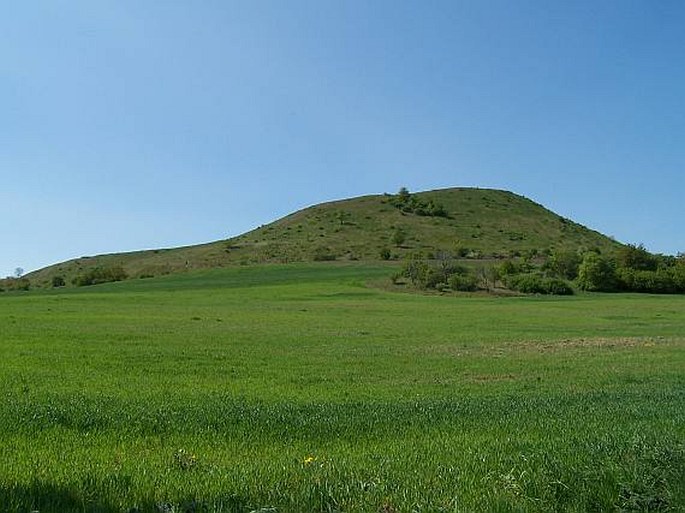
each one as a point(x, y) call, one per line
point(297, 388)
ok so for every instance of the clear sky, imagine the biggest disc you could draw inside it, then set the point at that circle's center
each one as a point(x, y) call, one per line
point(140, 124)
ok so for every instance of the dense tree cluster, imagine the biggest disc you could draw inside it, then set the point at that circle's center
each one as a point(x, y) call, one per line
point(409, 203)
point(631, 269)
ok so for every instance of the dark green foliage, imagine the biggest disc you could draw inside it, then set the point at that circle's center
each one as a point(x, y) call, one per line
point(679, 275)
point(636, 257)
point(438, 273)
point(640, 271)
point(58, 281)
point(323, 254)
point(510, 267)
point(564, 264)
point(535, 283)
point(385, 254)
point(661, 281)
point(597, 273)
point(410, 204)
point(101, 275)
point(462, 251)
point(463, 282)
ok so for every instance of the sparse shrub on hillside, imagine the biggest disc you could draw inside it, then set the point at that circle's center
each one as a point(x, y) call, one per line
point(101, 275)
point(58, 281)
point(323, 254)
point(461, 251)
point(385, 254)
point(399, 236)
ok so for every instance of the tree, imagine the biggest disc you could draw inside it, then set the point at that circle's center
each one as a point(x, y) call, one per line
point(564, 264)
point(403, 194)
point(18, 272)
point(597, 273)
point(637, 257)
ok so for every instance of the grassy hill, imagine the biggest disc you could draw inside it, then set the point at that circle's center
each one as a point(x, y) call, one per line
point(479, 223)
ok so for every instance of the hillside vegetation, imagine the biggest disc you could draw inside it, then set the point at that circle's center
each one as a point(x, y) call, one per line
point(473, 223)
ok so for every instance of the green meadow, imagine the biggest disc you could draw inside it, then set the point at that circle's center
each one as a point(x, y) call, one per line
point(317, 388)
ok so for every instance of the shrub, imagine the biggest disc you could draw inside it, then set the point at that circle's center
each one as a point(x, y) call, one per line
point(511, 267)
point(637, 257)
point(661, 281)
point(58, 281)
point(463, 282)
point(385, 254)
point(538, 284)
point(101, 275)
point(597, 273)
point(409, 204)
point(398, 237)
point(564, 264)
point(438, 273)
point(322, 254)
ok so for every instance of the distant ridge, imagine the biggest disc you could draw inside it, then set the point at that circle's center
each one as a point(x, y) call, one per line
point(475, 223)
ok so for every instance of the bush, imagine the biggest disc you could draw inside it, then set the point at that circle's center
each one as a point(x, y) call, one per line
point(637, 257)
point(512, 267)
point(385, 254)
point(58, 281)
point(439, 273)
point(597, 273)
point(538, 284)
point(410, 204)
point(463, 282)
point(661, 281)
point(101, 275)
point(322, 254)
point(399, 236)
point(564, 264)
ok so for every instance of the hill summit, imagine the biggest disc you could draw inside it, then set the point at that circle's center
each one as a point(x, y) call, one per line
point(470, 222)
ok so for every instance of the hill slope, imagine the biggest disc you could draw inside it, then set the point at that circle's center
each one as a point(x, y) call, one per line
point(481, 223)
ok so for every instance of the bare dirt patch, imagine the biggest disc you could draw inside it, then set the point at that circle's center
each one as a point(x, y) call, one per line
point(590, 343)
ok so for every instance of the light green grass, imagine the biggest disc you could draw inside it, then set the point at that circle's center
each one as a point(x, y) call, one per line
point(302, 389)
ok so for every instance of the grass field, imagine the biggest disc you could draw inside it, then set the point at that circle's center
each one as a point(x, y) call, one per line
point(302, 389)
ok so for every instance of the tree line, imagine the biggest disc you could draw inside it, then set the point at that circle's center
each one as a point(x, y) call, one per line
point(629, 269)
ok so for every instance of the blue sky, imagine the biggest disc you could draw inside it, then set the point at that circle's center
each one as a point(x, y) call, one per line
point(136, 124)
